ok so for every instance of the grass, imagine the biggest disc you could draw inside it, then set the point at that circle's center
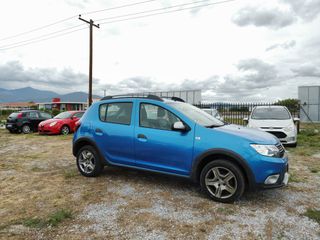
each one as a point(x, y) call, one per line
point(53, 220)
point(293, 178)
point(308, 141)
point(70, 174)
point(313, 214)
point(58, 217)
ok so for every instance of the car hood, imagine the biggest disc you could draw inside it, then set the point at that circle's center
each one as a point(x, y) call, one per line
point(250, 134)
point(270, 123)
point(50, 121)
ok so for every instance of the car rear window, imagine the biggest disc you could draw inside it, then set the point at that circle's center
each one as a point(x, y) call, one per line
point(13, 115)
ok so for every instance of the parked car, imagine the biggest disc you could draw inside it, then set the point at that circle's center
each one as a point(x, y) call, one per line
point(26, 121)
point(63, 123)
point(176, 138)
point(276, 120)
point(213, 112)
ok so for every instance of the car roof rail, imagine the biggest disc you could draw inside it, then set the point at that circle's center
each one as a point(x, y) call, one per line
point(177, 99)
point(149, 96)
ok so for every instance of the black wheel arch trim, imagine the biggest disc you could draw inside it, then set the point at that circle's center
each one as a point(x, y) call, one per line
point(225, 152)
point(75, 148)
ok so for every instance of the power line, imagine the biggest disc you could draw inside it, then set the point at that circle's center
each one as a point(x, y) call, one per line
point(34, 40)
point(154, 10)
point(118, 7)
point(161, 13)
point(38, 28)
point(40, 40)
point(68, 18)
point(41, 36)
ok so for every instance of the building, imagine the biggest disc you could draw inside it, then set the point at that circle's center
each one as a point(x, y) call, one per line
point(189, 96)
point(309, 97)
point(57, 104)
point(18, 106)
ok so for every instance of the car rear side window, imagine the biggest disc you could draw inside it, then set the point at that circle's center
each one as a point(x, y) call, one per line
point(119, 113)
point(33, 115)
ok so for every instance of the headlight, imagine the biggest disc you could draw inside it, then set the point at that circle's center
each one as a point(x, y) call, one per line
point(266, 150)
point(288, 129)
point(52, 124)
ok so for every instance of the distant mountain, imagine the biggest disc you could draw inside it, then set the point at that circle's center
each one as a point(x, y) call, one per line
point(29, 94)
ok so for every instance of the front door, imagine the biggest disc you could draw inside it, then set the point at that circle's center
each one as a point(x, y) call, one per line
point(157, 146)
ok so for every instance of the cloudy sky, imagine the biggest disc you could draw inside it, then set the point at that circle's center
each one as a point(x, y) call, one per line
point(241, 50)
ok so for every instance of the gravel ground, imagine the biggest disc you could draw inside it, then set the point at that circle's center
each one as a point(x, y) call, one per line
point(39, 177)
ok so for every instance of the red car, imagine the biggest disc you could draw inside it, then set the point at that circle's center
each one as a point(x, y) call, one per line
point(63, 123)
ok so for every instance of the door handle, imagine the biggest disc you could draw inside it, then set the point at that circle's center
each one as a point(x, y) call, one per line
point(142, 137)
point(98, 131)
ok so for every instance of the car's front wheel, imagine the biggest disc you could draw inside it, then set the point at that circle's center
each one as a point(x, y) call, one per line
point(65, 130)
point(222, 180)
point(88, 162)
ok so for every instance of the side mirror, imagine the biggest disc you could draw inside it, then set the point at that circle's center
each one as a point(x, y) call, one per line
point(246, 120)
point(179, 126)
point(296, 119)
point(74, 118)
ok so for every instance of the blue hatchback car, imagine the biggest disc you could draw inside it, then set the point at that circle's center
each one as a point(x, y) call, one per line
point(173, 137)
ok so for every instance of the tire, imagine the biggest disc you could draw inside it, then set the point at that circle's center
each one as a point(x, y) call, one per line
point(88, 162)
point(26, 129)
point(223, 181)
point(65, 130)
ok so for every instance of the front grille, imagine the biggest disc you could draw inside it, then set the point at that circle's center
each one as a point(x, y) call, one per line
point(278, 134)
point(281, 150)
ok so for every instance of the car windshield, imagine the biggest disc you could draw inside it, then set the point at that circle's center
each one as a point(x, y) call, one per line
point(270, 113)
point(63, 115)
point(197, 115)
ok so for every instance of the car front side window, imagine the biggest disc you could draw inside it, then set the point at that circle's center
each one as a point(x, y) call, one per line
point(153, 116)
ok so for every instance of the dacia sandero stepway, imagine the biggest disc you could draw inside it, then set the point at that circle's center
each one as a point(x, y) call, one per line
point(173, 137)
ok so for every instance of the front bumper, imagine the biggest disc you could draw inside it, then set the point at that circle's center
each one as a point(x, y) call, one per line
point(46, 129)
point(263, 167)
point(282, 181)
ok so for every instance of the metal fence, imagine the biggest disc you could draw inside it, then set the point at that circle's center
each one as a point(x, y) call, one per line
point(235, 112)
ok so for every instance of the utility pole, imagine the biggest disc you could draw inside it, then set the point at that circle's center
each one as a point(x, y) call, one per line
point(91, 24)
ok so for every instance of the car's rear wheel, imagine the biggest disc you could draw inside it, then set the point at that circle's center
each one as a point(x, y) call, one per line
point(26, 129)
point(65, 130)
point(88, 162)
point(223, 181)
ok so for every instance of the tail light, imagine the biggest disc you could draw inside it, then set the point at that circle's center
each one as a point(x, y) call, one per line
point(19, 115)
point(77, 125)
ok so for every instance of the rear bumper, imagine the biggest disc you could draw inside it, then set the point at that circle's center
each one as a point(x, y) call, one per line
point(12, 126)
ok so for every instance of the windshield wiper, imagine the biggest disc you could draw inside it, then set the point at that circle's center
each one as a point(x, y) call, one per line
point(213, 126)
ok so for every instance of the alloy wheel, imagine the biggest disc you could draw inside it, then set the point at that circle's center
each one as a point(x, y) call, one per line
point(87, 161)
point(221, 182)
point(65, 130)
point(26, 129)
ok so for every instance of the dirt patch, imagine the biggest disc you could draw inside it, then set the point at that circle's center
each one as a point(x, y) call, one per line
point(39, 177)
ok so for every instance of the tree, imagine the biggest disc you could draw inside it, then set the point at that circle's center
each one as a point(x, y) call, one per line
point(291, 103)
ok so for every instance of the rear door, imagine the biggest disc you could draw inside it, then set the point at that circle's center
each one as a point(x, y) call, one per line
point(114, 132)
point(157, 146)
point(34, 119)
